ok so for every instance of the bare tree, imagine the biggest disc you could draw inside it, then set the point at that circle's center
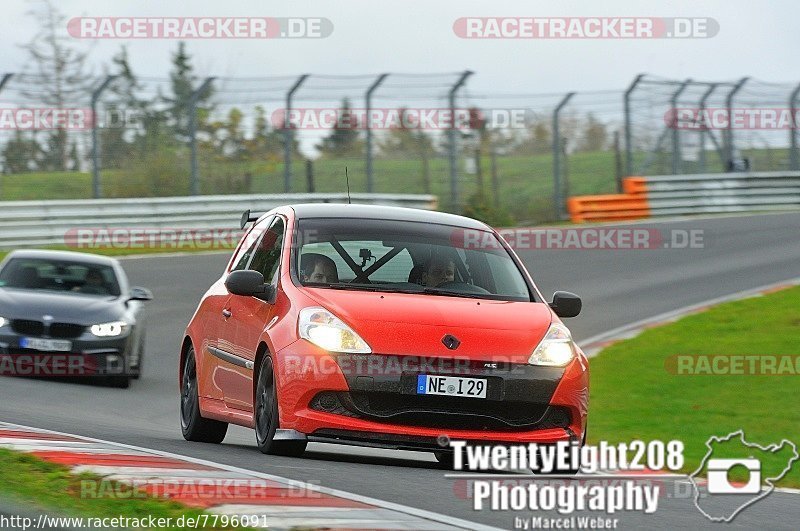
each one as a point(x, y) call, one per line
point(59, 73)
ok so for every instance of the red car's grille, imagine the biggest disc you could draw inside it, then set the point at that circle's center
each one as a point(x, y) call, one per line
point(442, 411)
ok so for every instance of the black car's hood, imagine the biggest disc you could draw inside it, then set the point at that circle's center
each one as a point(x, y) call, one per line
point(64, 308)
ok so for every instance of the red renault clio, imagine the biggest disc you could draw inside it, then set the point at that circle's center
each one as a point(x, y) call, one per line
point(380, 326)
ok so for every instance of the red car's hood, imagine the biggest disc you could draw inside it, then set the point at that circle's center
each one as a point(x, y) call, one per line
point(409, 324)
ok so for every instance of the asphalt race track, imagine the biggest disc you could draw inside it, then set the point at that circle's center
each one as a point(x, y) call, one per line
point(618, 287)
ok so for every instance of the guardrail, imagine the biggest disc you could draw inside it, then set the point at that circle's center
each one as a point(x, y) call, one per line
point(677, 195)
point(39, 223)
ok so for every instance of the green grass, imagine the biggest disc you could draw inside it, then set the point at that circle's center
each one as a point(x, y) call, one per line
point(525, 190)
point(634, 396)
point(52, 488)
point(526, 182)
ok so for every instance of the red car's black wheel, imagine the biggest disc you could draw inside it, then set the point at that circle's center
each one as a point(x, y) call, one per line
point(266, 416)
point(193, 426)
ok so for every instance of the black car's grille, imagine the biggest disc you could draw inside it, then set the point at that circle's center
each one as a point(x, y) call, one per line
point(27, 328)
point(66, 330)
point(442, 411)
point(55, 330)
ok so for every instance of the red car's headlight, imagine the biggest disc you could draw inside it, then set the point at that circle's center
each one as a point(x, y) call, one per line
point(327, 331)
point(556, 348)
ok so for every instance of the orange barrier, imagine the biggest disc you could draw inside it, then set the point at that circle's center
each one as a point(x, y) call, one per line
point(634, 185)
point(612, 207)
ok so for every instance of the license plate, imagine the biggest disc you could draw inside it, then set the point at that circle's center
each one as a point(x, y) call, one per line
point(451, 386)
point(49, 345)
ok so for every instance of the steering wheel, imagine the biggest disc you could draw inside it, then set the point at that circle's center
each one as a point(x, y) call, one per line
point(463, 287)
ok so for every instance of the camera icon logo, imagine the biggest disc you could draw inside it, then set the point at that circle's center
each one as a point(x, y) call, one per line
point(720, 498)
point(719, 482)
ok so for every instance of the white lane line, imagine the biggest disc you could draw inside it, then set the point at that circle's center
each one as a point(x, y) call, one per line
point(155, 472)
point(44, 443)
point(24, 447)
point(592, 345)
point(292, 516)
point(411, 511)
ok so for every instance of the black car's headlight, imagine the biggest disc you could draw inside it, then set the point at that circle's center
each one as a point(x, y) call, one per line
point(3, 321)
point(113, 329)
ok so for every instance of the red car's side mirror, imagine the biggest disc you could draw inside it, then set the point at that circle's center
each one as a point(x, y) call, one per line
point(250, 283)
point(566, 304)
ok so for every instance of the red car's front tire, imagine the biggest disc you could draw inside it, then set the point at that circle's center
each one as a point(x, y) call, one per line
point(266, 416)
point(193, 426)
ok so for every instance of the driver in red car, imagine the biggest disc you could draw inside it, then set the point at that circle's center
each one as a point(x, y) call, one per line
point(438, 270)
point(318, 268)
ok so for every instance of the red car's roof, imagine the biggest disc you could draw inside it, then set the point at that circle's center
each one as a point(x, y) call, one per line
point(329, 210)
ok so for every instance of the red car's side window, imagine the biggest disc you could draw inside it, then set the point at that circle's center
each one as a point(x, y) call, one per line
point(248, 245)
point(267, 256)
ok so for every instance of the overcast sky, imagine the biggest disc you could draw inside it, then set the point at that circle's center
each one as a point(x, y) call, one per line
point(759, 39)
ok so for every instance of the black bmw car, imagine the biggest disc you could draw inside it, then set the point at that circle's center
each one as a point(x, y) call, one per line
point(72, 315)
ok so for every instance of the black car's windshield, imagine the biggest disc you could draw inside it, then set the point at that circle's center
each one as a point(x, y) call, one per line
point(64, 276)
point(408, 257)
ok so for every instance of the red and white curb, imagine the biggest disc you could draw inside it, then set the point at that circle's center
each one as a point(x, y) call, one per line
point(281, 503)
point(593, 345)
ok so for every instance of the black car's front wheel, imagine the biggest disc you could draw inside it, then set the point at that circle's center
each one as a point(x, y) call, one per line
point(266, 415)
point(193, 426)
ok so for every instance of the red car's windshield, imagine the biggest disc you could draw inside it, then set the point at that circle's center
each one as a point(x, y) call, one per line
point(367, 254)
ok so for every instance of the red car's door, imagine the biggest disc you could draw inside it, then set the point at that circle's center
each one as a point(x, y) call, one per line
point(213, 303)
point(217, 314)
point(248, 317)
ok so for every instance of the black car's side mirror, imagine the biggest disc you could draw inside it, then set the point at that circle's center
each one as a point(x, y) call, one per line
point(140, 294)
point(566, 304)
point(250, 283)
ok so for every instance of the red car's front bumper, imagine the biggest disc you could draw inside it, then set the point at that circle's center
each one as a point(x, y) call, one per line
point(370, 399)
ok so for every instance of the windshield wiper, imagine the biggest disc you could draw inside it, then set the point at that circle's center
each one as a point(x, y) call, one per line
point(366, 287)
point(449, 293)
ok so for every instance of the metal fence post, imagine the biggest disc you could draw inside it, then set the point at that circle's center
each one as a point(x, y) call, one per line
point(194, 178)
point(729, 139)
point(6, 79)
point(703, 126)
point(558, 200)
point(676, 137)
point(794, 158)
point(368, 125)
point(96, 189)
point(628, 125)
point(451, 136)
point(288, 135)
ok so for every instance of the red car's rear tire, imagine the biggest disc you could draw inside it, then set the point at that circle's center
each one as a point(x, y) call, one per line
point(193, 426)
point(266, 416)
